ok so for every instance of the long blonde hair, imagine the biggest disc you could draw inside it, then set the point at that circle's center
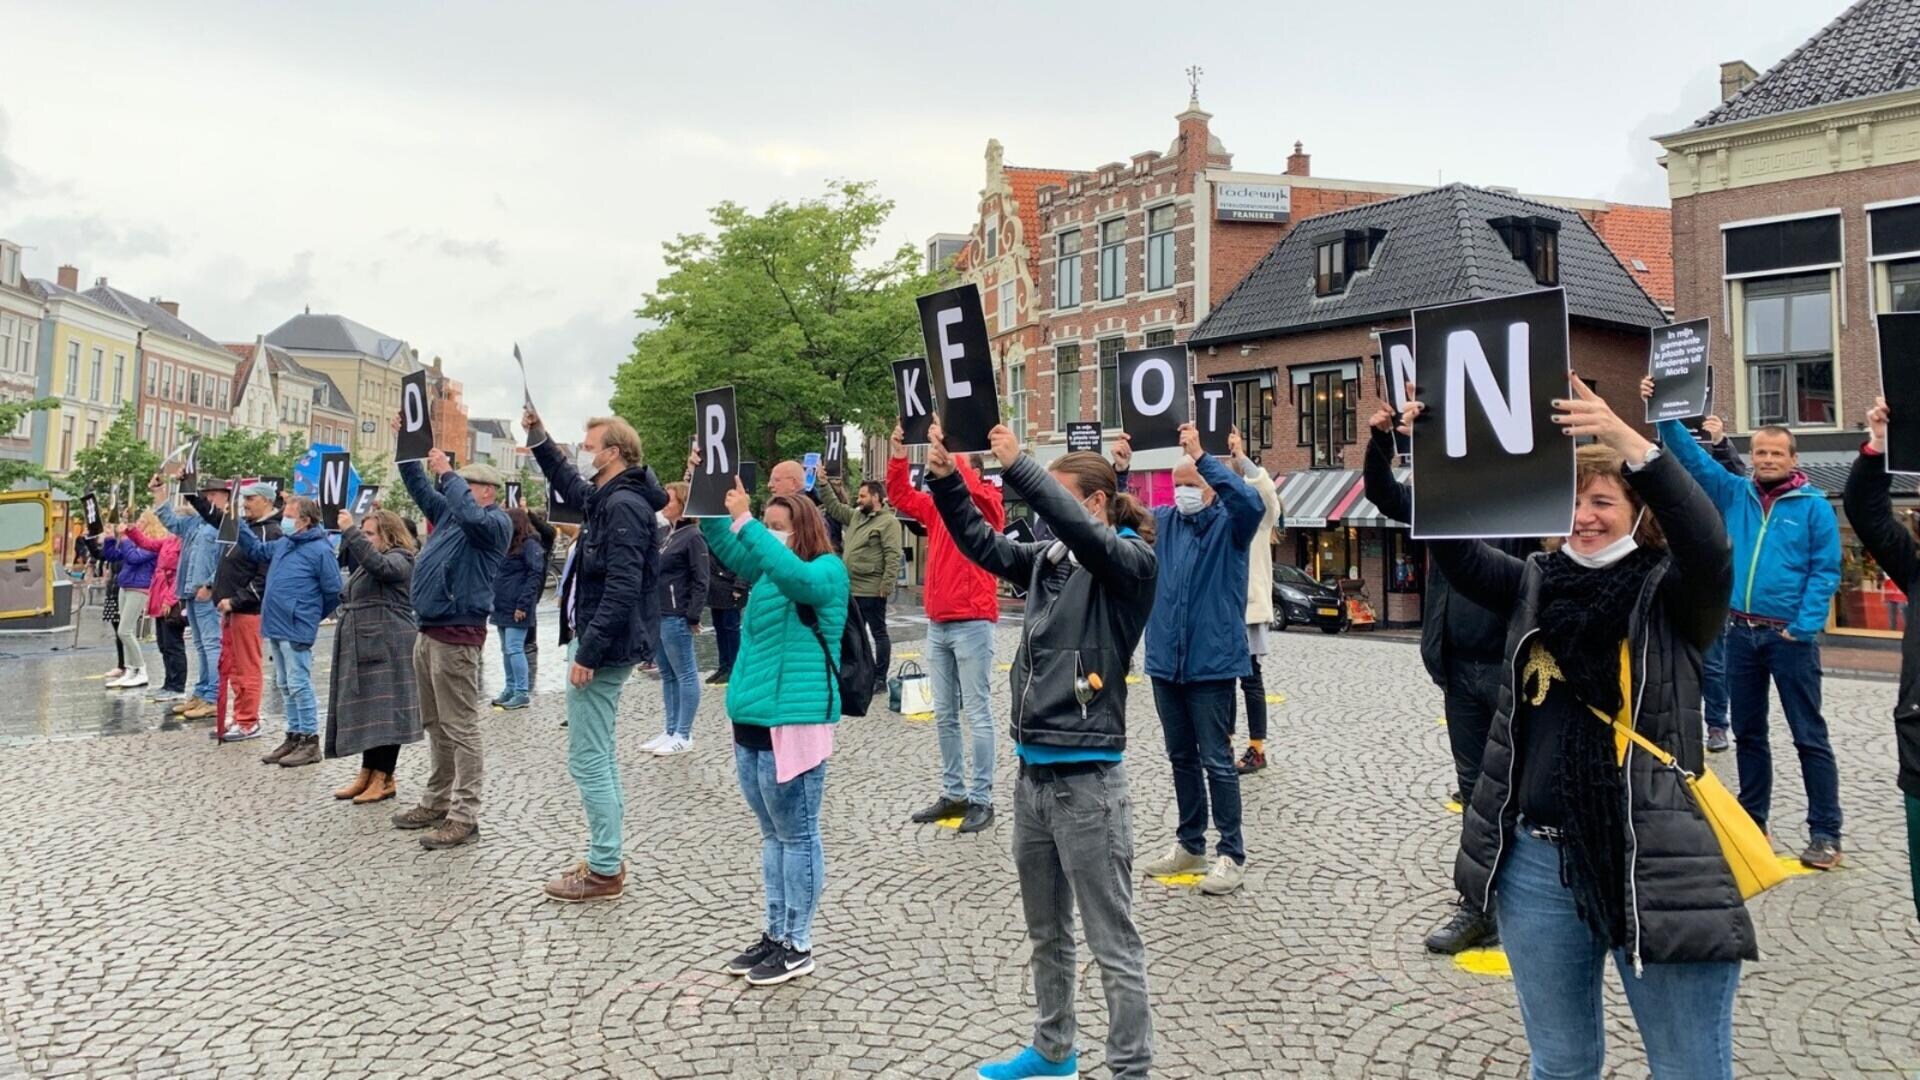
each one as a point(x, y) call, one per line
point(392, 532)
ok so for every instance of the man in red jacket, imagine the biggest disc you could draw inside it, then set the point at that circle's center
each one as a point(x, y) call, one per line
point(963, 604)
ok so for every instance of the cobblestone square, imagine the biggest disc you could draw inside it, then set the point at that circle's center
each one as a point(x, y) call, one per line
point(176, 910)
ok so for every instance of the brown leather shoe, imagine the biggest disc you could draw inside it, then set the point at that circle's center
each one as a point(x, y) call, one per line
point(418, 817)
point(450, 833)
point(306, 751)
point(378, 789)
point(581, 884)
point(202, 711)
point(358, 785)
point(188, 705)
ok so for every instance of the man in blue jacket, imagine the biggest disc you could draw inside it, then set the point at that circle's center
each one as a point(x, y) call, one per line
point(303, 588)
point(1197, 651)
point(1786, 566)
point(452, 600)
point(199, 563)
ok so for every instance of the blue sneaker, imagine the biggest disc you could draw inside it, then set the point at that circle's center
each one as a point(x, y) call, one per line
point(1027, 1063)
point(517, 701)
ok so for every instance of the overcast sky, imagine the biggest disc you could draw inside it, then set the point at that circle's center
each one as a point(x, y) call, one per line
point(465, 175)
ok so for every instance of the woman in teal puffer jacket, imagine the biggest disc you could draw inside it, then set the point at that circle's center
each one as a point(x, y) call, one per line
point(783, 700)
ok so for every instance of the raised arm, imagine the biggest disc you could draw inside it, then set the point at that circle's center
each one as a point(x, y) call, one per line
point(1869, 503)
point(1120, 564)
point(135, 554)
point(420, 487)
point(561, 476)
point(817, 583)
point(391, 567)
point(1392, 497)
point(1697, 539)
point(1244, 507)
point(1480, 572)
point(917, 505)
point(1721, 486)
point(140, 537)
point(991, 551)
point(832, 505)
point(251, 546)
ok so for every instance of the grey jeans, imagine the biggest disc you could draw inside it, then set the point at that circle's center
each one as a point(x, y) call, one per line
point(450, 704)
point(1073, 842)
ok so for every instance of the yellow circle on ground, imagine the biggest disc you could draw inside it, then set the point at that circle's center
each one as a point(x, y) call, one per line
point(1004, 667)
point(1454, 807)
point(919, 717)
point(1793, 867)
point(1181, 880)
point(906, 656)
point(1133, 680)
point(1442, 722)
point(949, 822)
point(1276, 699)
point(1484, 962)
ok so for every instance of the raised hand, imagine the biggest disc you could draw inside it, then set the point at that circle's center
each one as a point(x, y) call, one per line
point(1004, 444)
point(739, 504)
point(1715, 428)
point(1190, 441)
point(1235, 449)
point(529, 419)
point(1123, 453)
point(1877, 418)
point(344, 520)
point(1646, 388)
point(897, 442)
point(939, 462)
point(437, 461)
point(1587, 413)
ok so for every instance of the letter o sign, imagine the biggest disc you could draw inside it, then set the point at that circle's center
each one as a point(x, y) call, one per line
point(1154, 365)
point(414, 406)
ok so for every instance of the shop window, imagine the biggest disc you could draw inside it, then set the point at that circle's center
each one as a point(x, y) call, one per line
point(1159, 248)
point(1066, 385)
point(1788, 341)
point(1327, 401)
point(1869, 602)
point(1110, 381)
point(1113, 259)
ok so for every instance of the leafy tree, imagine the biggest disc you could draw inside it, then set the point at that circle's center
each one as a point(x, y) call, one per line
point(379, 470)
point(533, 486)
point(796, 308)
point(238, 452)
point(117, 467)
point(12, 472)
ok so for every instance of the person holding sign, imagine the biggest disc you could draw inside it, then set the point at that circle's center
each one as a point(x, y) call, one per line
point(303, 588)
point(783, 706)
point(373, 705)
point(1870, 510)
point(1582, 843)
point(1786, 551)
point(872, 551)
point(1088, 595)
point(133, 572)
point(963, 606)
point(199, 563)
point(1197, 651)
point(452, 594)
point(609, 615)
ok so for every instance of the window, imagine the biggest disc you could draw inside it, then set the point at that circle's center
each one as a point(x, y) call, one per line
point(1009, 318)
point(1534, 241)
point(93, 433)
point(119, 374)
point(993, 240)
point(1253, 410)
point(7, 331)
point(206, 425)
point(180, 387)
point(226, 394)
point(66, 440)
point(1017, 379)
point(146, 426)
point(97, 371)
point(1903, 285)
point(1110, 381)
point(153, 375)
point(1066, 385)
point(1113, 259)
point(166, 382)
point(1788, 342)
point(193, 388)
point(23, 429)
point(29, 361)
point(1330, 273)
point(1327, 400)
point(1160, 248)
point(1159, 338)
point(1066, 273)
point(73, 369)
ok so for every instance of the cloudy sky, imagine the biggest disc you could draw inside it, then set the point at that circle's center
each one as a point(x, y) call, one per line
point(470, 174)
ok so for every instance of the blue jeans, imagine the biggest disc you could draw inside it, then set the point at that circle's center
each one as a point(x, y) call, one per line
point(204, 618)
point(1754, 654)
point(1684, 1011)
point(726, 635)
point(792, 860)
point(293, 673)
point(513, 651)
point(1713, 681)
point(960, 663)
point(679, 675)
point(1197, 720)
point(592, 713)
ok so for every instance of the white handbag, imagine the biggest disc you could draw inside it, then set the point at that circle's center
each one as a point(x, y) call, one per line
point(910, 691)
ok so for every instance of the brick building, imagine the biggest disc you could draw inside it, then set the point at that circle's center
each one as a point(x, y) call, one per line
point(1298, 338)
point(185, 377)
point(1796, 221)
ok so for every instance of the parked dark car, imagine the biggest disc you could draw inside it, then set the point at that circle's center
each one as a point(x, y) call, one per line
point(1299, 600)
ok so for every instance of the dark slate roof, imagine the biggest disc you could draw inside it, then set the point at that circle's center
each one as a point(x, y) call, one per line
point(1872, 48)
point(325, 393)
point(148, 315)
point(337, 333)
point(1438, 249)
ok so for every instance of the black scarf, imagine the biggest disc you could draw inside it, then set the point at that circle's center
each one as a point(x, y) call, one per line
point(1584, 616)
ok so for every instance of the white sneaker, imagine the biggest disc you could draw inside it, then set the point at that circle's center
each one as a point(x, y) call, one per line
point(1176, 861)
point(653, 745)
point(135, 678)
point(675, 745)
point(1225, 877)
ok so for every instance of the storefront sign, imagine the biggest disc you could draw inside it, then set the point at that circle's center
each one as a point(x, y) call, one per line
point(1252, 202)
point(1677, 363)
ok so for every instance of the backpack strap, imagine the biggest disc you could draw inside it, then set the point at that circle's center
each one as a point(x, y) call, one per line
point(812, 621)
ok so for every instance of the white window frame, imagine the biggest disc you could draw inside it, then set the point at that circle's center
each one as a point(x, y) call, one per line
point(1173, 249)
point(1118, 275)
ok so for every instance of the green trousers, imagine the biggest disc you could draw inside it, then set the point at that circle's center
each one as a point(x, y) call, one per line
point(1913, 848)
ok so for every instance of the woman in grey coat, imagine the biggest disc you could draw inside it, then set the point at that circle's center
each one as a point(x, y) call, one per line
point(373, 707)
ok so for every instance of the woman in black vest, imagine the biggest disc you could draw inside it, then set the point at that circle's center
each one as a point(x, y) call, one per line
point(1582, 844)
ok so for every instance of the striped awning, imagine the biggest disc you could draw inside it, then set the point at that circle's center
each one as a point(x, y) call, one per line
point(1308, 497)
point(1361, 510)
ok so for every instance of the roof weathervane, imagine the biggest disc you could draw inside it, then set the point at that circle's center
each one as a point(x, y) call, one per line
point(1193, 82)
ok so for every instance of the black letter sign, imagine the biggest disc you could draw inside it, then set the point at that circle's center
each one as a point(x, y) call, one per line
point(719, 443)
point(1900, 385)
point(1488, 459)
point(363, 502)
point(916, 400)
point(334, 470)
point(1213, 416)
point(834, 461)
point(1396, 370)
point(512, 501)
point(1677, 360)
point(91, 507)
point(1153, 395)
point(956, 331)
point(416, 424)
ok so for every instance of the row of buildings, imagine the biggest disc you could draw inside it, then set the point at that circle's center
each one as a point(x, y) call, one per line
point(314, 379)
point(1283, 281)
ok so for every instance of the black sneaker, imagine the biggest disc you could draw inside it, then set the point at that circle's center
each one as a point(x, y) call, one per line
point(1717, 740)
point(978, 817)
point(1821, 854)
point(942, 808)
point(1470, 928)
point(719, 678)
point(782, 964)
point(752, 958)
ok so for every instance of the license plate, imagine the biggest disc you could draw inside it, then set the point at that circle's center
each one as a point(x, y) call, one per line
point(1329, 611)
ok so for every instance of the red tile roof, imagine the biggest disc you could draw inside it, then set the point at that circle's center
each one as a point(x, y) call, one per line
point(1644, 233)
point(1026, 183)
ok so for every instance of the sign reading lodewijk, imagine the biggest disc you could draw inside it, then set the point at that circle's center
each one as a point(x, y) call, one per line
point(1252, 202)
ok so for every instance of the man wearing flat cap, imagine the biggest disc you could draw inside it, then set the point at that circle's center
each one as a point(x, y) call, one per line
point(452, 599)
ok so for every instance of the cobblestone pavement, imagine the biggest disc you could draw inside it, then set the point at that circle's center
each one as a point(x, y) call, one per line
point(172, 909)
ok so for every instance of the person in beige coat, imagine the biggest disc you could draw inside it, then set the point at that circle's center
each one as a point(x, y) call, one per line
point(1259, 603)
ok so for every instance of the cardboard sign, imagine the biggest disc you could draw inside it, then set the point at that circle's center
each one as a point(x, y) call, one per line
point(363, 503)
point(1677, 360)
point(526, 395)
point(716, 425)
point(334, 471)
point(230, 521)
point(560, 511)
point(1490, 460)
point(512, 500)
point(1900, 385)
point(835, 458)
point(91, 507)
point(1083, 435)
point(416, 420)
point(1153, 395)
point(955, 328)
point(1213, 415)
point(914, 398)
point(1396, 371)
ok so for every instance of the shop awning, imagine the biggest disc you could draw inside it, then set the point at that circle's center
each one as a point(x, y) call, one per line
point(1828, 470)
point(1361, 510)
point(1308, 497)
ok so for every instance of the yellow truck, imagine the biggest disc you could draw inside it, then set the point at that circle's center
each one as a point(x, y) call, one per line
point(28, 566)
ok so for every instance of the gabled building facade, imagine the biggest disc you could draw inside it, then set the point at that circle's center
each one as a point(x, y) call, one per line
point(256, 408)
point(366, 366)
point(185, 377)
point(21, 312)
point(89, 361)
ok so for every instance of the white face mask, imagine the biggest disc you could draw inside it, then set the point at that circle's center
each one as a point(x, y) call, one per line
point(583, 461)
point(1189, 499)
point(1613, 552)
point(660, 519)
point(783, 536)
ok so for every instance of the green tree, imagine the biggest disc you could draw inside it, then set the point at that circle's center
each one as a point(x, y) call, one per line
point(393, 496)
point(796, 308)
point(533, 486)
point(237, 452)
point(117, 467)
point(13, 471)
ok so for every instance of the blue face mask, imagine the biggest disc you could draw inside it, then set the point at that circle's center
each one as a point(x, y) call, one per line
point(289, 526)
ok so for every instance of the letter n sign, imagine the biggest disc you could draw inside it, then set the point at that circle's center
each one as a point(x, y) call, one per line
point(335, 471)
point(1487, 457)
point(955, 328)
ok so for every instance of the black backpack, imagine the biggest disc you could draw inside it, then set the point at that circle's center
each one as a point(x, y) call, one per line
point(855, 672)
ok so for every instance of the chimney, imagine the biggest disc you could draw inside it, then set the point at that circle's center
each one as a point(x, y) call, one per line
point(1735, 76)
point(171, 307)
point(69, 278)
point(1297, 162)
point(1194, 135)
